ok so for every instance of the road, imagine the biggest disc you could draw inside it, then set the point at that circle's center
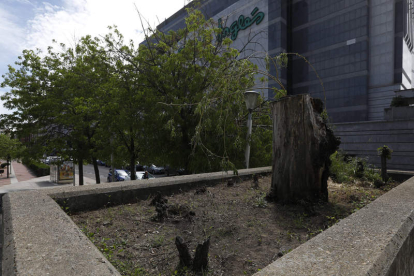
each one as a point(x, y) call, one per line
point(103, 172)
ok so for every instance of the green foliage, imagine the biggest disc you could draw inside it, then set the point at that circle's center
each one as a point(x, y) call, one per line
point(38, 168)
point(57, 98)
point(260, 200)
point(399, 101)
point(10, 148)
point(194, 87)
point(176, 99)
point(384, 151)
point(347, 169)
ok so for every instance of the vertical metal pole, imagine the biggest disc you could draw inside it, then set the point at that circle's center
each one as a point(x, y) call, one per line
point(249, 133)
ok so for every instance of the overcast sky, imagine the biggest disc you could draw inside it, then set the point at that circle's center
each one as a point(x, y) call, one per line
point(31, 24)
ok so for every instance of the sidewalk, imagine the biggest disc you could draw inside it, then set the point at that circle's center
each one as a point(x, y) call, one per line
point(22, 178)
point(3, 178)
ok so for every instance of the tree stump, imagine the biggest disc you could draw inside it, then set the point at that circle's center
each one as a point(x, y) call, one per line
point(200, 261)
point(183, 253)
point(302, 145)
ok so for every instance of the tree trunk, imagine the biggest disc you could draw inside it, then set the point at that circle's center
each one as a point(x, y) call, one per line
point(133, 167)
point(8, 167)
point(133, 159)
point(302, 145)
point(80, 165)
point(96, 170)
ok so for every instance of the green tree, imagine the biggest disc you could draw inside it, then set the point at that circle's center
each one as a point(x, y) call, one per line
point(10, 148)
point(194, 88)
point(59, 97)
point(125, 112)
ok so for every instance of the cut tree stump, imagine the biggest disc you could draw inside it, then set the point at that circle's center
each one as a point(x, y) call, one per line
point(184, 254)
point(200, 261)
point(302, 145)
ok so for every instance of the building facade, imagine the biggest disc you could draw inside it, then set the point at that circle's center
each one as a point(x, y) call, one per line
point(362, 51)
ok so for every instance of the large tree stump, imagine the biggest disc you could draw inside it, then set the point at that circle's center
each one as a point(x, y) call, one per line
point(302, 145)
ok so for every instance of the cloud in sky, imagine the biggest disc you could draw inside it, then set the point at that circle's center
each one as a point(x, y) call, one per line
point(30, 24)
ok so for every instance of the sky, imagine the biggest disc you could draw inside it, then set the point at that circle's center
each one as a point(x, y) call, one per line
point(32, 24)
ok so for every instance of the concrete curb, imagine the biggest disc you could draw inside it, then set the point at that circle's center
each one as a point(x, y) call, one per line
point(376, 240)
point(41, 239)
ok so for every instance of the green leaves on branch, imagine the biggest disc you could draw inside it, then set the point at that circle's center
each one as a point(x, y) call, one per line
point(385, 151)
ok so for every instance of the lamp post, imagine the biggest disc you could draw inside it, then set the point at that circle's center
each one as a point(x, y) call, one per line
point(251, 99)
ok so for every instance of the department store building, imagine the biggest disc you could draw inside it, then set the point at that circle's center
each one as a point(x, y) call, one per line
point(361, 49)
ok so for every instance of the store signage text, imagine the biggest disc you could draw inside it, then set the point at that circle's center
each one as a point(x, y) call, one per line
point(241, 23)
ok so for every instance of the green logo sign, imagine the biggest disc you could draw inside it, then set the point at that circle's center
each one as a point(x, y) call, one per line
point(240, 24)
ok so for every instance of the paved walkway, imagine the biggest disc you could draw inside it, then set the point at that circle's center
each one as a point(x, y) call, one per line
point(22, 178)
point(21, 172)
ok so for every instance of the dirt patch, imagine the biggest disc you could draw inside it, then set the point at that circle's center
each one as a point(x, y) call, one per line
point(246, 232)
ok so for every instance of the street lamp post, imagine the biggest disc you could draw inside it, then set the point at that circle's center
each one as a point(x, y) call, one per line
point(251, 99)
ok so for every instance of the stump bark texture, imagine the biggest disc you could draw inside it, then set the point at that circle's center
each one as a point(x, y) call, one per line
point(302, 145)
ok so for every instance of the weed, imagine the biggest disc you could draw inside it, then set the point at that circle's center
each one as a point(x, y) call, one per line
point(260, 201)
point(345, 169)
point(299, 220)
point(158, 241)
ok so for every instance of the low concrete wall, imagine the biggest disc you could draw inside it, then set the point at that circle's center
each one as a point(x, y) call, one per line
point(41, 239)
point(399, 113)
point(363, 138)
point(376, 240)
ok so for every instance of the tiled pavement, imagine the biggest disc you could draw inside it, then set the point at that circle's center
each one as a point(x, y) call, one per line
point(4, 180)
point(19, 173)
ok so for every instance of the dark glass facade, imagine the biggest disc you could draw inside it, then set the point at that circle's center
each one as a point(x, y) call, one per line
point(360, 49)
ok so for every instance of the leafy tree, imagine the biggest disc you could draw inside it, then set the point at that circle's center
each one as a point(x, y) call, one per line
point(125, 112)
point(59, 98)
point(10, 148)
point(194, 88)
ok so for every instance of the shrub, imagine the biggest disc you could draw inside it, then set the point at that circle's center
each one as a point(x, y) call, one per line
point(385, 152)
point(38, 168)
point(345, 169)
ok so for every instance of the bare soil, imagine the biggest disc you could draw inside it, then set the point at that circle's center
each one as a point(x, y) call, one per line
point(247, 233)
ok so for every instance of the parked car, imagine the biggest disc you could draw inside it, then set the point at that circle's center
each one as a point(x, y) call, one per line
point(47, 160)
point(140, 175)
point(120, 175)
point(140, 167)
point(156, 170)
point(100, 162)
point(171, 171)
point(182, 171)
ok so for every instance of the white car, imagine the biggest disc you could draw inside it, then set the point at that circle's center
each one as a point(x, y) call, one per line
point(140, 175)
